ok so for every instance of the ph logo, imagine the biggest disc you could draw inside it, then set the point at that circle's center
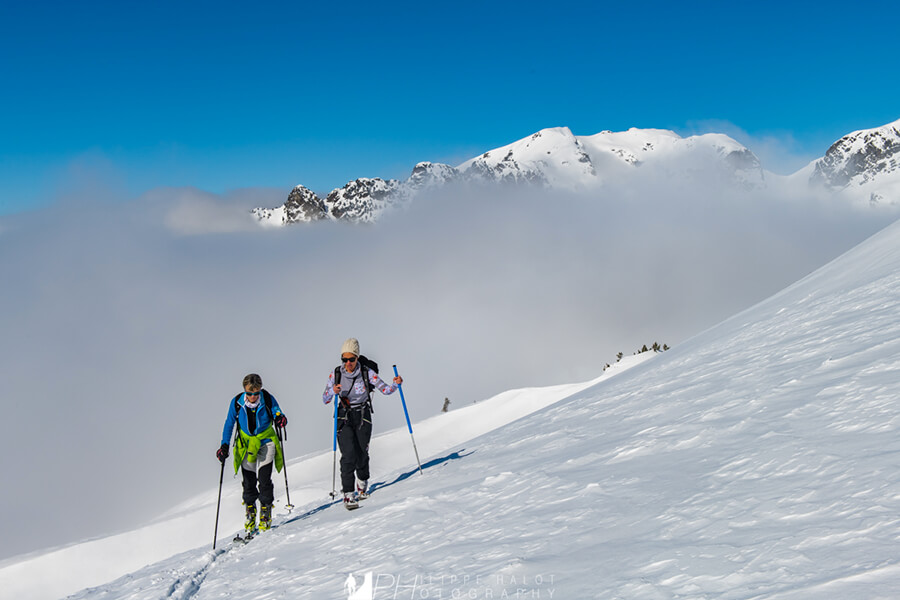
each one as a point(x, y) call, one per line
point(363, 592)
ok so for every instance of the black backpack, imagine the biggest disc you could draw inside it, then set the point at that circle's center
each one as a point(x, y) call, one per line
point(365, 365)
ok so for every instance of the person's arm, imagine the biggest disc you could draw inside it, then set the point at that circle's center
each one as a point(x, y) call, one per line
point(230, 421)
point(277, 415)
point(329, 393)
point(382, 385)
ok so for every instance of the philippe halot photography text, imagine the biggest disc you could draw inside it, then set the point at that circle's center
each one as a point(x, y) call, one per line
point(412, 586)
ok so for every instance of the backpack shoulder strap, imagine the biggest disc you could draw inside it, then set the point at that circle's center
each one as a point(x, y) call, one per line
point(237, 425)
point(364, 371)
point(267, 398)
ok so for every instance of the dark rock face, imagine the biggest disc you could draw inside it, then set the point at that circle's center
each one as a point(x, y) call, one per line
point(429, 173)
point(361, 200)
point(304, 205)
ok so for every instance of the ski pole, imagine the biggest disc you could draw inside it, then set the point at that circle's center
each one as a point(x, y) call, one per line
point(334, 451)
point(337, 398)
point(408, 424)
point(218, 504)
point(287, 490)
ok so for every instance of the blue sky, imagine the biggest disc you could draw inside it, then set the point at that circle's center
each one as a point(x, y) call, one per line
point(228, 95)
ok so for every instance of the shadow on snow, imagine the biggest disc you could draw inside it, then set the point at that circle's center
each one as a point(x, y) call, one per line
point(381, 484)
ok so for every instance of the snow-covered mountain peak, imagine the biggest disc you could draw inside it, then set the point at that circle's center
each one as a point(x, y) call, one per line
point(429, 174)
point(363, 200)
point(864, 163)
point(553, 157)
point(302, 206)
point(676, 156)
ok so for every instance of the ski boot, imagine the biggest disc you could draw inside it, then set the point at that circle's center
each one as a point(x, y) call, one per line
point(265, 517)
point(350, 502)
point(250, 521)
point(362, 490)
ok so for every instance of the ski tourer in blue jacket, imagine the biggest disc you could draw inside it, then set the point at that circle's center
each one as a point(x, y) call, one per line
point(257, 448)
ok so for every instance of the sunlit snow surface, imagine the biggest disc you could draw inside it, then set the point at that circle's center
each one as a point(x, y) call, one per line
point(758, 460)
point(190, 524)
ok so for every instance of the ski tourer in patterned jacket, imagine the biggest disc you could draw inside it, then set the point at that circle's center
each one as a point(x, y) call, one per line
point(350, 382)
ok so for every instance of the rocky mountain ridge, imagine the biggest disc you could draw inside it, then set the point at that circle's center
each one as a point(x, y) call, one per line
point(865, 162)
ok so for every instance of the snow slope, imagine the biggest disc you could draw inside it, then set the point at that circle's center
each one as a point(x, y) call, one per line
point(191, 524)
point(757, 460)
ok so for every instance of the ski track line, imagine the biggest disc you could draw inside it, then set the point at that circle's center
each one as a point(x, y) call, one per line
point(188, 587)
point(185, 588)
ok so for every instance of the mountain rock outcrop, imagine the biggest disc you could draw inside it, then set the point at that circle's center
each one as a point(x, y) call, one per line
point(865, 162)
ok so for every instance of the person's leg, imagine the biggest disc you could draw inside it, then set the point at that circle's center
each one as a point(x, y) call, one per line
point(347, 443)
point(363, 437)
point(265, 462)
point(249, 497)
point(249, 482)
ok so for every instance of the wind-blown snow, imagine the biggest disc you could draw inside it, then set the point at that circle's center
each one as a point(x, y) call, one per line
point(757, 460)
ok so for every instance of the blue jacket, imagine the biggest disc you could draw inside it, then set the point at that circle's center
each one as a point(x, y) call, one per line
point(263, 418)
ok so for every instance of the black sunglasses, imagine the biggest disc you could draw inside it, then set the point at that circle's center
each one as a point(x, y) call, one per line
point(351, 359)
point(252, 393)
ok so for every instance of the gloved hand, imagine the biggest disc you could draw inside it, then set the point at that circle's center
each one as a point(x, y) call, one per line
point(280, 421)
point(222, 453)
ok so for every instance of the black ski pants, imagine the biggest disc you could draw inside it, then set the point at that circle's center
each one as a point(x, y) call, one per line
point(354, 433)
point(259, 486)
